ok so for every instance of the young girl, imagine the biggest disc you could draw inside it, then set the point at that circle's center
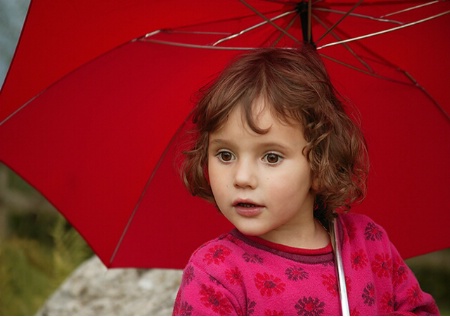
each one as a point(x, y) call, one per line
point(282, 161)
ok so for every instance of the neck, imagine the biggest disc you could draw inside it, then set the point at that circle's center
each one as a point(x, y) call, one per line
point(310, 235)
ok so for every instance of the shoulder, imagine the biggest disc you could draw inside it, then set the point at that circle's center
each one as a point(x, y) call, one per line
point(210, 277)
point(224, 249)
point(355, 218)
point(354, 221)
point(361, 228)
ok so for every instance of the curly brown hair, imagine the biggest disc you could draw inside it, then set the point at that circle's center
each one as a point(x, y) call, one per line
point(296, 86)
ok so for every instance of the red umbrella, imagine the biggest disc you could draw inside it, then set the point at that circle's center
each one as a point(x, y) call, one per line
point(92, 111)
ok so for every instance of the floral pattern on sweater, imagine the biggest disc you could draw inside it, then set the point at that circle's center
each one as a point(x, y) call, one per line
point(239, 275)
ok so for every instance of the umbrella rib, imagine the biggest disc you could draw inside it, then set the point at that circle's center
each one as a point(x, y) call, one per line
point(358, 15)
point(214, 45)
point(373, 74)
point(404, 72)
point(147, 185)
point(232, 36)
point(172, 31)
point(20, 108)
point(363, 62)
point(270, 22)
point(340, 20)
point(193, 32)
point(278, 39)
point(410, 9)
point(385, 31)
point(14, 113)
point(414, 81)
point(196, 45)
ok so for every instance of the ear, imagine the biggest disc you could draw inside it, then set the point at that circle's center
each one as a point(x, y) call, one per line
point(315, 185)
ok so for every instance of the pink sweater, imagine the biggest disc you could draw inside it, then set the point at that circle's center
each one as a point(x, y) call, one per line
point(239, 275)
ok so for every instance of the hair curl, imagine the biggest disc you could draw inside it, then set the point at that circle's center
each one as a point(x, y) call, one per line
point(296, 86)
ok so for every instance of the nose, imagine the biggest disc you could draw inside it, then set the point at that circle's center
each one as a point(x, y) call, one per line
point(245, 174)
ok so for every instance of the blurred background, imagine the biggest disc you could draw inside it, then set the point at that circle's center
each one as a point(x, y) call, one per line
point(39, 249)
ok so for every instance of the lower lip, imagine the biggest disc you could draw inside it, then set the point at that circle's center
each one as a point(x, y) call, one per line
point(248, 211)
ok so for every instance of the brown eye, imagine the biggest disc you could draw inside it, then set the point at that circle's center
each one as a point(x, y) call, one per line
point(272, 158)
point(225, 156)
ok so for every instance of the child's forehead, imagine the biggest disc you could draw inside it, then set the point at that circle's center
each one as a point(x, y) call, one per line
point(266, 129)
point(261, 108)
point(261, 113)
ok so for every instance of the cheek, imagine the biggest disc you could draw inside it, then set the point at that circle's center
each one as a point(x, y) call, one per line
point(284, 189)
point(291, 195)
point(209, 168)
point(291, 183)
point(215, 177)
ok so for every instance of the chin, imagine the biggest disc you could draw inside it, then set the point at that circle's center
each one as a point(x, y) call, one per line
point(252, 232)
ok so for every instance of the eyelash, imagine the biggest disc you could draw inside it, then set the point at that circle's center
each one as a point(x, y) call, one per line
point(278, 157)
point(220, 154)
point(265, 158)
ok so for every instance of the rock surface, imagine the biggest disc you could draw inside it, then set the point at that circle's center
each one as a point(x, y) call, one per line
point(94, 290)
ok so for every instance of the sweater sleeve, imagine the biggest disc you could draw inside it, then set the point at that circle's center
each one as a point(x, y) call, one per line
point(380, 279)
point(201, 294)
point(409, 297)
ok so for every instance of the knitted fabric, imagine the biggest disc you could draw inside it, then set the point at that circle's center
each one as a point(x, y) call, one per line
point(239, 275)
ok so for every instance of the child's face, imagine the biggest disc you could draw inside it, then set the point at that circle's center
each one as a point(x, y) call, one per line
point(261, 182)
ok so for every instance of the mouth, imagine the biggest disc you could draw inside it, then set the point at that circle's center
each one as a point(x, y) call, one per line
point(247, 208)
point(246, 205)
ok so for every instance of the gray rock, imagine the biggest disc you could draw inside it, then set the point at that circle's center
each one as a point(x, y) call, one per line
point(92, 289)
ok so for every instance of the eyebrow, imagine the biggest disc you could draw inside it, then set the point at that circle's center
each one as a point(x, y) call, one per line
point(274, 145)
point(218, 141)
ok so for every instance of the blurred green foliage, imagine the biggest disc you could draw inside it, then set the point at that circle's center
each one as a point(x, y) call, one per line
point(38, 248)
point(433, 272)
point(31, 269)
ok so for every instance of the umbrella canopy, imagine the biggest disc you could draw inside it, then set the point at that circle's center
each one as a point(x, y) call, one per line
point(95, 106)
